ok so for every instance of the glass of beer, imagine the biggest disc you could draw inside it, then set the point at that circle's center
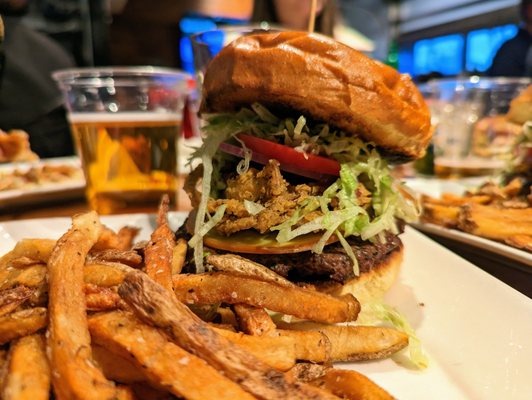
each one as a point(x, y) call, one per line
point(126, 124)
point(474, 135)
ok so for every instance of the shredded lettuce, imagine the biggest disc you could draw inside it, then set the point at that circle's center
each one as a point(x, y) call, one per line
point(362, 202)
point(206, 227)
point(252, 207)
point(377, 313)
point(264, 114)
point(220, 130)
point(380, 313)
point(243, 165)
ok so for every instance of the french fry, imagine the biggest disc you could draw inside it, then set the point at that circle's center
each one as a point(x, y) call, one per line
point(101, 298)
point(237, 265)
point(145, 392)
point(74, 374)
point(10, 299)
point(116, 367)
point(253, 320)
point(449, 199)
point(520, 241)
point(179, 254)
point(351, 385)
point(33, 276)
point(97, 298)
point(353, 343)
point(311, 346)
point(455, 200)
point(105, 274)
point(492, 223)
point(158, 253)
point(306, 372)
point(493, 211)
point(22, 323)
point(162, 361)
point(226, 316)
point(124, 392)
point(154, 304)
point(28, 375)
point(22, 262)
point(3, 367)
point(494, 191)
point(439, 214)
point(121, 240)
point(276, 351)
point(36, 249)
point(128, 257)
point(220, 287)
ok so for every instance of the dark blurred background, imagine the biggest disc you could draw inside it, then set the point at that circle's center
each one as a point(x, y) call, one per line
point(423, 38)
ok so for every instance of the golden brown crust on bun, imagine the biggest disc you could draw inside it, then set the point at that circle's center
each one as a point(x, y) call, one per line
point(373, 284)
point(325, 80)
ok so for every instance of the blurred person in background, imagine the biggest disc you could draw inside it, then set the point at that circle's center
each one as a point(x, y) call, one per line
point(29, 98)
point(295, 14)
point(514, 57)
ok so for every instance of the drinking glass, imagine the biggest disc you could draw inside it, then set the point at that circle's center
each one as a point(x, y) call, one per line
point(126, 124)
point(473, 136)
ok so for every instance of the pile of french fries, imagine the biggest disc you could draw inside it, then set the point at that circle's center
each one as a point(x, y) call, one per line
point(495, 212)
point(94, 315)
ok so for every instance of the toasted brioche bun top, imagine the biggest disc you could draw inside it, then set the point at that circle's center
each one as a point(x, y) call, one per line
point(324, 80)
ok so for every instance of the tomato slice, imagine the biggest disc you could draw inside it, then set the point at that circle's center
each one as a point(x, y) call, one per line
point(290, 159)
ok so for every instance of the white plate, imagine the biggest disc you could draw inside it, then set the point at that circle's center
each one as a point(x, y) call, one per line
point(475, 329)
point(436, 187)
point(67, 189)
point(500, 249)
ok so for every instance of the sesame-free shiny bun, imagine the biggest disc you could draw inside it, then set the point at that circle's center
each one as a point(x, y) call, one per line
point(324, 80)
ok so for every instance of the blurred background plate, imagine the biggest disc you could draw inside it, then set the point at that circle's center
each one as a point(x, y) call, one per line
point(508, 255)
point(45, 191)
point(436, 187)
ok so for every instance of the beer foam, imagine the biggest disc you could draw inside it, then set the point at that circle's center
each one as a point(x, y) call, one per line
point(103, 117)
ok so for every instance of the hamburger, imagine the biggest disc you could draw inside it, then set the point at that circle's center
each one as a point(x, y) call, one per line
point(300, 130)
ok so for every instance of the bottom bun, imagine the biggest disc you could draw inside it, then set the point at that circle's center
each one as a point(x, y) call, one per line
point(371, 285)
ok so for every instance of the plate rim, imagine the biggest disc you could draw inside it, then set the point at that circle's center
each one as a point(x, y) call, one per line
point(479, 242)
point(45, 192)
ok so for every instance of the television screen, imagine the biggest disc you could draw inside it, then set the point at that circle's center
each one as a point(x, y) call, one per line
point(482, 44)
point(443, 54)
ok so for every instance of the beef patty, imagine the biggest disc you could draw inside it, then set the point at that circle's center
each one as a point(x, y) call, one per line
point(332, 264)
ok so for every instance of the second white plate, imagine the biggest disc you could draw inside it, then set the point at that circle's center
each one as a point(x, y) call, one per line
point(47, 191)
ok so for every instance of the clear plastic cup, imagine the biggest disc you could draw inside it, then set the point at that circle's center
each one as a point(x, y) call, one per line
point(126, 123)
point(473, 135)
